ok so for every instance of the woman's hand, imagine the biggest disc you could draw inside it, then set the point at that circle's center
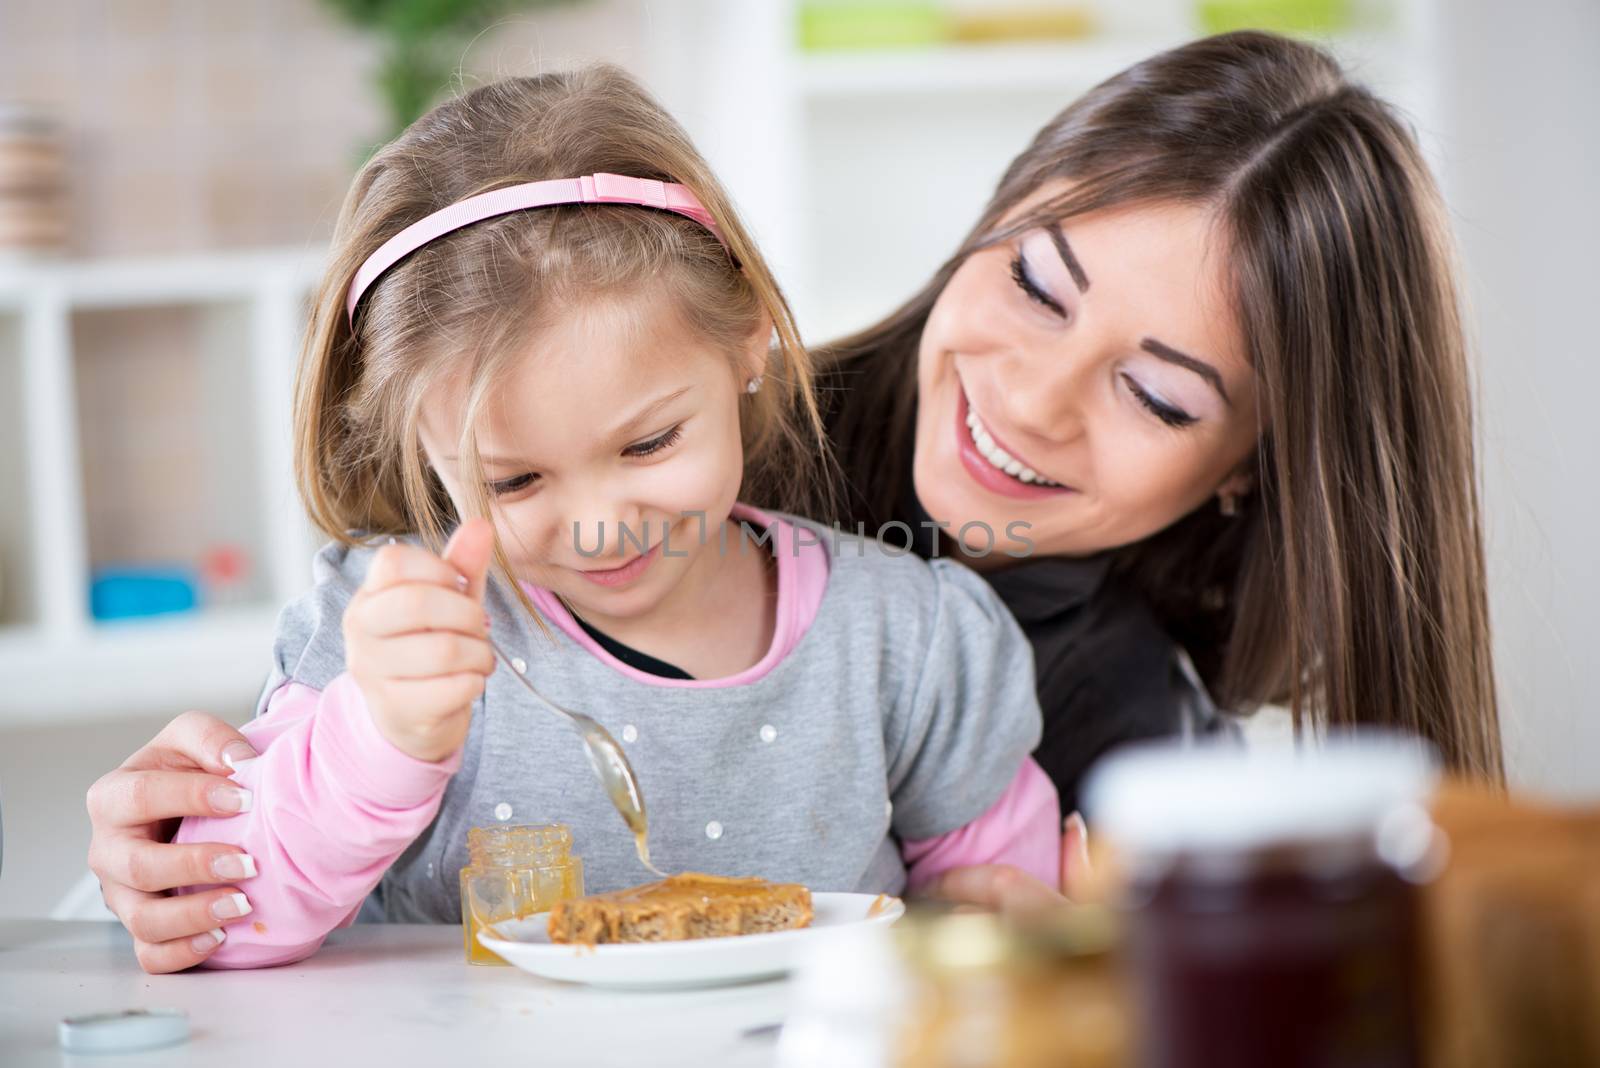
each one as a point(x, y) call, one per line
point(415, 643)
point(134, 810)
point(1009, 889)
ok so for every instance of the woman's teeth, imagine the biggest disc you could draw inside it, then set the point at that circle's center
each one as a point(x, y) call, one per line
point(1001, 459)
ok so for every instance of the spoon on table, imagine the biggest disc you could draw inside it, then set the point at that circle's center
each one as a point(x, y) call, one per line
point(607, 759)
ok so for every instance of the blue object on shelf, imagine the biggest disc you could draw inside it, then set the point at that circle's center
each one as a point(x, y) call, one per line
point(133, 592)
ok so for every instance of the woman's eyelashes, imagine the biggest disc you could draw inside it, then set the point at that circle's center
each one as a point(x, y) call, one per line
point(1023, 277)
point(1167, 413)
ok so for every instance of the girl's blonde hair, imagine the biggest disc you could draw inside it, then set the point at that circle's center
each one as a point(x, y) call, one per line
point(466, 303)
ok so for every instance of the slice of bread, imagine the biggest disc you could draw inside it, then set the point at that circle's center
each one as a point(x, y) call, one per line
point(681, 907)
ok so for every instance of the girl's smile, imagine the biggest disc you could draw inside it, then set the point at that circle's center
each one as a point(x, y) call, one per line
point(618, 457)
point(624, 574)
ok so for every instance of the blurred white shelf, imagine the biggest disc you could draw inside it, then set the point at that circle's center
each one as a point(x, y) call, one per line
point(211, 659)
point(141, 282)
point(859, 171)
point(56, 663)
point(1064, 66)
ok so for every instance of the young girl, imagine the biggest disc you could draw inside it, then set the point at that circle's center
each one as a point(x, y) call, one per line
point(545, 329)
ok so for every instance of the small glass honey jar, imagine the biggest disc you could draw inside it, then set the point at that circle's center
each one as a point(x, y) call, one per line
point(514, 872)
point(1037, 991)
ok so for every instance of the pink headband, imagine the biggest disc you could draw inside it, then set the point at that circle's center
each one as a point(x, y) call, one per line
point(590, 189)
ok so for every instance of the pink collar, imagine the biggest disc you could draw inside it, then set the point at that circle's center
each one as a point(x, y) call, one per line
point(802, 580)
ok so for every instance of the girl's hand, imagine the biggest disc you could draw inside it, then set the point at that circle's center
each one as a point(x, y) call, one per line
point(1009, 889)
point(415, 641)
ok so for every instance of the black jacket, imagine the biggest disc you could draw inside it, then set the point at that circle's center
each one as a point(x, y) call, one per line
point(1107, 672)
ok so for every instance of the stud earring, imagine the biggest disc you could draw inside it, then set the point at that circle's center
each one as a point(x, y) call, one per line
point(753, 386)
point(1228, 504)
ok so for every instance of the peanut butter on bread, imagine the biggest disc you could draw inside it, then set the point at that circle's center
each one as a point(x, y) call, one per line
point(679, 908)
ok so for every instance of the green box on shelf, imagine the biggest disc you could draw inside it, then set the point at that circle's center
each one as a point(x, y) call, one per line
point(1282, 16)
point(826, 25)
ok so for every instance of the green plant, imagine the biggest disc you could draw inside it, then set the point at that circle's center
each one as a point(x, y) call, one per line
point(423, 43)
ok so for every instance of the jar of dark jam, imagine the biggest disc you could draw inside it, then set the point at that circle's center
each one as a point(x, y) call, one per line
point(1271, 899)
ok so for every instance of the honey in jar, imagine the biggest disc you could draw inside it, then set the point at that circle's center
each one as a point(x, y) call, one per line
point(1037, 991)
point(513, 872)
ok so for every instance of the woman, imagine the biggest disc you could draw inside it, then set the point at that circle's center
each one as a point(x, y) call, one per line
point(1195, 384)
point(1214, 298)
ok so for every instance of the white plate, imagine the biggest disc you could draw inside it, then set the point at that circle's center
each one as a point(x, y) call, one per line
point(698, 962)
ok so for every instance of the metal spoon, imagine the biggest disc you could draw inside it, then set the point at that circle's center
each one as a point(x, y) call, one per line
point(608, 761)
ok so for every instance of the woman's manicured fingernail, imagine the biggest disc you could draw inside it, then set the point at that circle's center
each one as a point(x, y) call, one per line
point(1075, 825)
point(230, 907)
point(231, 799)
point(242, 766)
point(205, 943)
point(238, 754)
point(232, 866)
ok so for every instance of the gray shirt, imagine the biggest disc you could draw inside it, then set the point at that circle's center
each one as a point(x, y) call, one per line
point(904, 711)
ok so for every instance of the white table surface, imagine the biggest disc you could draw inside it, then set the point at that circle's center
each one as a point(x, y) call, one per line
point(380, 994)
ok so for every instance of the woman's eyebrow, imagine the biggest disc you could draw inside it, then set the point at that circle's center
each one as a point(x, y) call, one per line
point(1064, 250)
point(1199, 367)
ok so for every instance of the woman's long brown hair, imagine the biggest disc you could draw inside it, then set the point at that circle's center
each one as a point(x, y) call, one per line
point(1351, 586)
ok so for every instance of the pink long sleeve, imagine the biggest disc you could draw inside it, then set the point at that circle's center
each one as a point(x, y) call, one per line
point(1022, 829)
point(335, 804)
